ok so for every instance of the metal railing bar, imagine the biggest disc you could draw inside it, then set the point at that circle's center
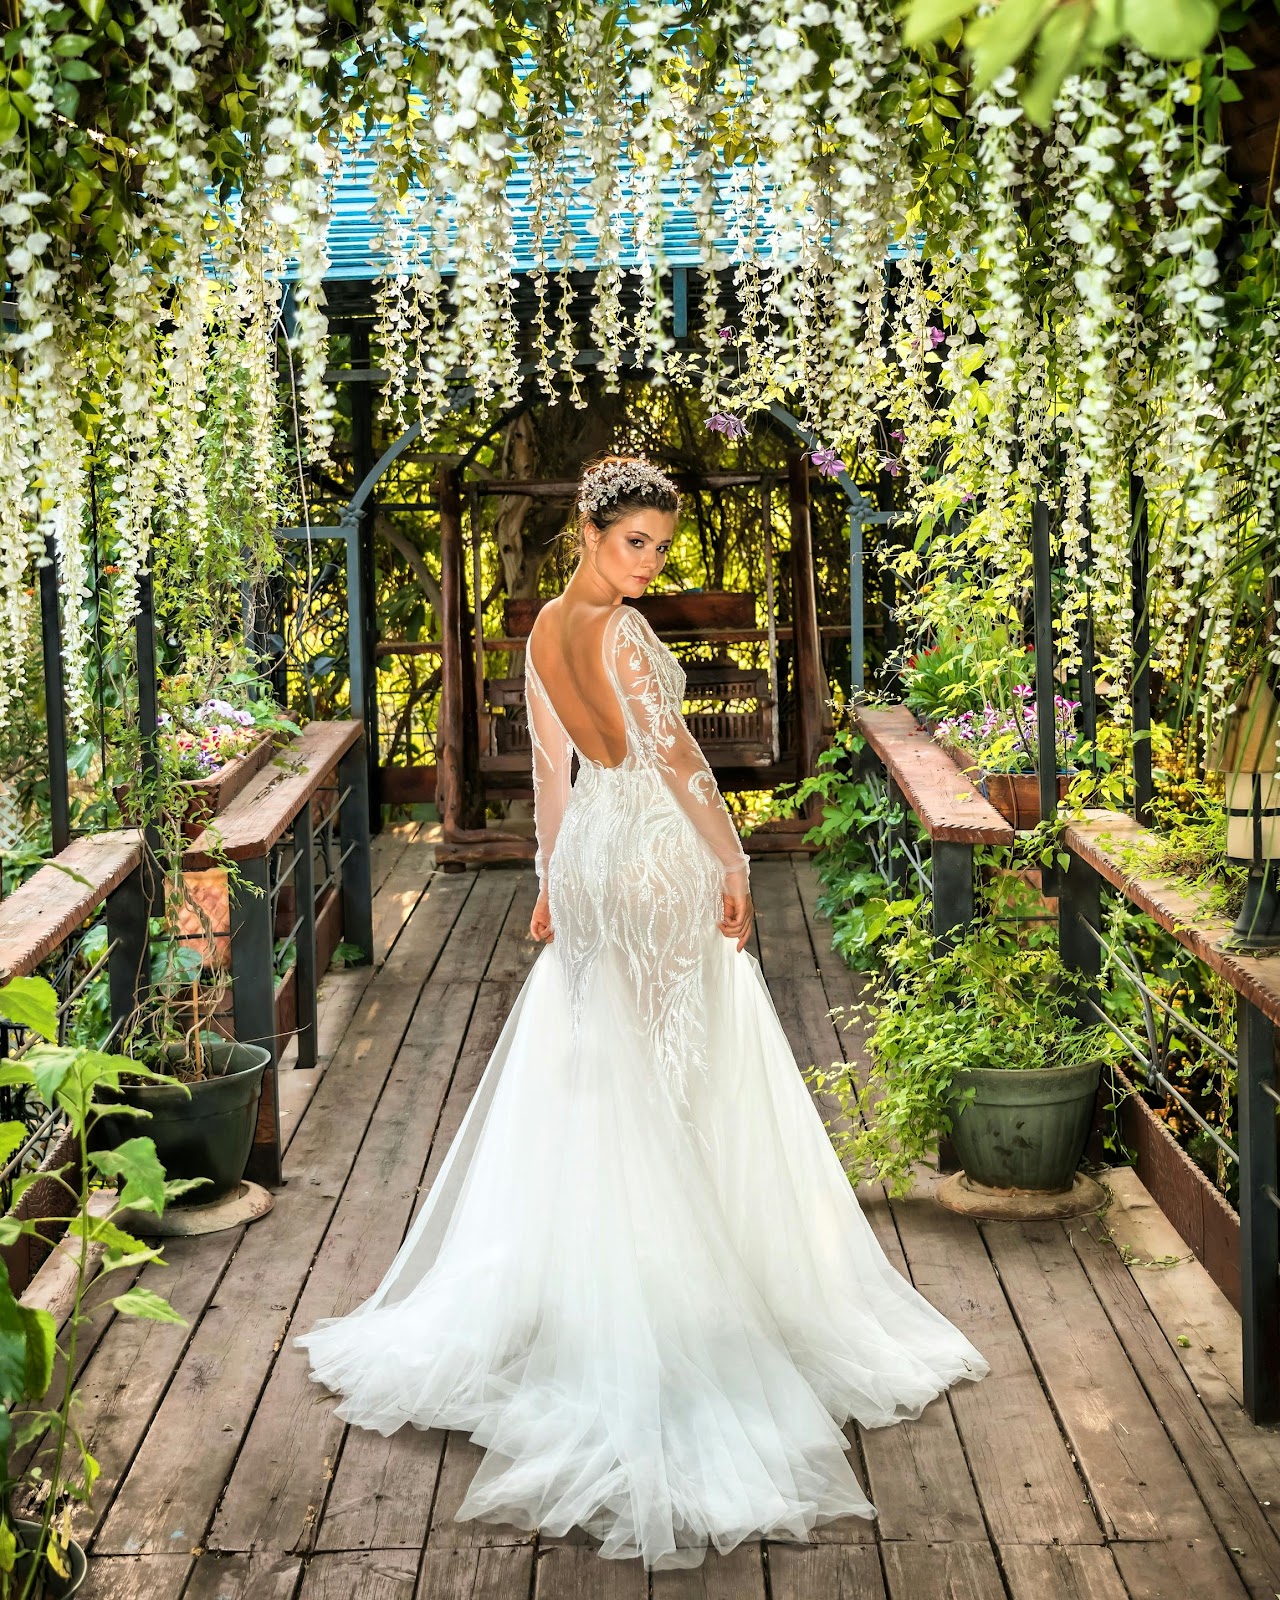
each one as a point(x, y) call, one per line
point(1153, 1074)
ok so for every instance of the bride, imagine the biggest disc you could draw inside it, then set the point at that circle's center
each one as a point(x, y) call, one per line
point(641, 1280)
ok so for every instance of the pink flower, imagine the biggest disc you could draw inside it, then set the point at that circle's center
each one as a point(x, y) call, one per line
point(730, 426)
point(936, 336)
point(727, 334)
point(828, 463)
point(892, 466)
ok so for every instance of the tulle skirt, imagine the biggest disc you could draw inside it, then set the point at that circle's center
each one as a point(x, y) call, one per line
point(655, 1316)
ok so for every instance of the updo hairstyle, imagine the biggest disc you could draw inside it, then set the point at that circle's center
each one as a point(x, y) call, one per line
point(612, 485)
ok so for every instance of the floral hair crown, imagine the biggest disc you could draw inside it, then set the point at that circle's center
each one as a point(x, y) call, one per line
point(611, 480)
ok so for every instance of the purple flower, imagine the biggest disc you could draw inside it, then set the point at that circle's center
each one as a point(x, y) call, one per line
point(892, 466)
point(966, 497)
point(724, 422)
point(828, 463)
point(936, 336)
point(727, 334)
point(899, 436)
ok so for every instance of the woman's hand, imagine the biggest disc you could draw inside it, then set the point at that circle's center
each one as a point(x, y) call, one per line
point(738, 916)
point(540, 922)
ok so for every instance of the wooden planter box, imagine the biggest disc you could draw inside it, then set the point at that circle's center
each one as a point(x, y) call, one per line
point(207, 797)
point(1203, 1217)
point(45, 1198)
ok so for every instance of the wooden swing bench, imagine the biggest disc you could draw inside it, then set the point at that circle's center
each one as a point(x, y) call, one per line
point(732, 709)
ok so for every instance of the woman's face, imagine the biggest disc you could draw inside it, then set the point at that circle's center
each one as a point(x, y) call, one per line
point(631, 553)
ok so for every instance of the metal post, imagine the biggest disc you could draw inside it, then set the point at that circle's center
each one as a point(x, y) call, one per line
point(1046, 712)
point(1143, 780)
point(144, 635)
point(1259, 1216)
point(353, 837)
point(127, 934)
point(356, 602)
point(1079, 910)
point(365, 634)
point(1088, 656)
point(253, 1003)
point(952, 888)
point(55, 699)
point(857, 621)
point(306, 973)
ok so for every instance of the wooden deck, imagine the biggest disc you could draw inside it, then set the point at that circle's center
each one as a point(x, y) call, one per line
point(1105, 1457)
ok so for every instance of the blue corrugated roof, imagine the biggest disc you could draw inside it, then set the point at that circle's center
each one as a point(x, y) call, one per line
point(353, 226)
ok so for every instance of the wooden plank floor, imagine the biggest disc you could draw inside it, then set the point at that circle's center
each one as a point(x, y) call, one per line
point(1105, 1458)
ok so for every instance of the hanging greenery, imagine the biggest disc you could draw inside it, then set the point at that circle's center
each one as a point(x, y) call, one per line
point(1080, 292)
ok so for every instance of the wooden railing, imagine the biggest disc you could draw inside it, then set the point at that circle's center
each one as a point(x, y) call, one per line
point(1243, 1256)
point(298, 838)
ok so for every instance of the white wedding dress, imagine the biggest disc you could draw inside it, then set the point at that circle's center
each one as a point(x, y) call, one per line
point(642, 1280)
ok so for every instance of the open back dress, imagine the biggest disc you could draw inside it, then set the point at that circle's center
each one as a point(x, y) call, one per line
point(642, 1280)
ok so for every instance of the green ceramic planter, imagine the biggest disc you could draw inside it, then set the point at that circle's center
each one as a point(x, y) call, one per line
point(208, 1135)
point(51, 1587)
point(1024, 1129)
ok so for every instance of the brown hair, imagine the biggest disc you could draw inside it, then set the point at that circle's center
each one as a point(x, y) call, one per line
point(660, 494)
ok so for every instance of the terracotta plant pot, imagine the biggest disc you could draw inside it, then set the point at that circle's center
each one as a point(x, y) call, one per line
point(1016, 795)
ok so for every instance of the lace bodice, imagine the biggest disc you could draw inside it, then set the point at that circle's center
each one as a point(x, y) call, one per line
point(636, 857)
point(649, 683)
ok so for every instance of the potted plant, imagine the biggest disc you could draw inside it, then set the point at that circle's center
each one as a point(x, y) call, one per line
point(210, 748)
point(39, 1559)
point(998, 742)
point(200, 1091)
point(980, 1042)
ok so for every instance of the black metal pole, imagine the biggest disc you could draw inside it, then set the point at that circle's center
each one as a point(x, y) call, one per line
point(366, 633)
point(55, 700)
point(1088, 655)
point(1143, 778)
point(1046, 711)
point(1259, 1220)
point(144, 634)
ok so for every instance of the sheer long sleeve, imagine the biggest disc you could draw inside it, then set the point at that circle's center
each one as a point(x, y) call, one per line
point(552, 771)
point(651, 684)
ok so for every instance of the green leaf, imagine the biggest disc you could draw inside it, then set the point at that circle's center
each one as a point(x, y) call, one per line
point(119, 1248)
point(146, 1303)
point(66, 98)
point(12, 1136)
point(1057, 51)
point(78, 71)
point(1170, 30)
point(928, 19)
point(1235, 60)
point(71, 44)
point(1000, 38)
point(15, 1337)
point(50, 1065)
point(10, 121)
point(42, 1345)
point(137, 1163)
point(93, 9)
point(8, 1546)
point(344, 9)
point(31, 1003)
